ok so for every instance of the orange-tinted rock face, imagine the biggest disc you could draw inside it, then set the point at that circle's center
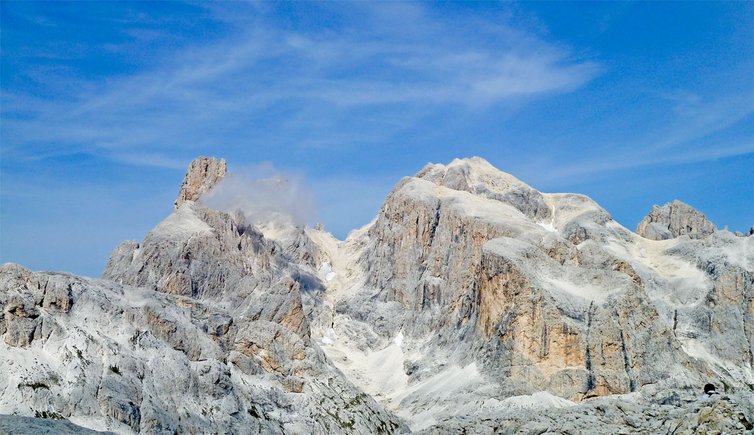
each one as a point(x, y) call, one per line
point(202, 174)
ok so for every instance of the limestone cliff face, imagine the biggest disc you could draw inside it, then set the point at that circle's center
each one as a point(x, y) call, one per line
point(202, 174)
point(543, 292)
point(721, 319)
point(425, 247)
point(23, 318)
point(477, 176)
point(527, 283)
point(130, 359)
point(575, 347)
point(675, 219)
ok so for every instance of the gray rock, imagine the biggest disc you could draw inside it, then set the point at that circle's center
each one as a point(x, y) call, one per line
point(45, 424)
point(675, 219)
point(485, 291)
point(621, 415)
point(202, 174)
point(199, 328)
point(131, 359)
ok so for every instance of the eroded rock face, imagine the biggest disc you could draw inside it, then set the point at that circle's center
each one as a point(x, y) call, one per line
point(609, 344)
point(200, 328)
point(721, 318)
point(16, 424)
point(675, 219)
point(477, 176)
point(26, 304)
point(563, 300)
point(648, 413)
point(537, 308)
point(202, 174)
point(131, 359)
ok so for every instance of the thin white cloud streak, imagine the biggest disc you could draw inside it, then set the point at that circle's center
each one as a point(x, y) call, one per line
point(558, 171)
point(194, 96)
point(696, 117)
point(147, 159)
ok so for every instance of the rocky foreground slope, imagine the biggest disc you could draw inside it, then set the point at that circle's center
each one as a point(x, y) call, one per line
point(472, 302)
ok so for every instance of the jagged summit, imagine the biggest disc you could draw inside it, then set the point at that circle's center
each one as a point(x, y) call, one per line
point(472, 174)
point(477, 176)
point(462, 174)
point(202, 174)
point(675, 219)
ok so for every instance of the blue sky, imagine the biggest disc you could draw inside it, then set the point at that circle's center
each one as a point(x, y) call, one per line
point(105, 103)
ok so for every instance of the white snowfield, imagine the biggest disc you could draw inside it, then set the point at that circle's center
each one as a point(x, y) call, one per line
point(181, 223)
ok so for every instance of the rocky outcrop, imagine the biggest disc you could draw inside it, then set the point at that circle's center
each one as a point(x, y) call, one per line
point(675, 219)
point(198, 328)
point(574, 345)
point(42, 424)
point(202, 174)
point(562, 299)
point(130, 359)
point(719, 319)
point(468, 270)
point(658, 412)
point(475, 175)
point(25, 311)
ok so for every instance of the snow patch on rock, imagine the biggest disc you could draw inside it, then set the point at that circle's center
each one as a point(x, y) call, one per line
point(326, 272)
point(540, 399)
point(181, 223)
point(398, 340)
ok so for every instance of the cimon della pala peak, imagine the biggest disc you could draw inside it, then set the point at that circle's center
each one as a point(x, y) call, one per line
point(472, 303)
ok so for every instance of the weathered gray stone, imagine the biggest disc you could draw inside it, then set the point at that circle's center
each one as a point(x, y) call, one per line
point(675, 219)
point(44, 424)
point(565, 301)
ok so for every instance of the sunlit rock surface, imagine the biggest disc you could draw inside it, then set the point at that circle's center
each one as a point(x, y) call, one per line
point(675, 219)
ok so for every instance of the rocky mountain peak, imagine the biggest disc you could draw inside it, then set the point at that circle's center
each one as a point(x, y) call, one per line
point(675, 219)
point(469, 174)
point(202, 174)
point(477, 176)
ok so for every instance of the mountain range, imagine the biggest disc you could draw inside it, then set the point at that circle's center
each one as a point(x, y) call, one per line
point(472, 303)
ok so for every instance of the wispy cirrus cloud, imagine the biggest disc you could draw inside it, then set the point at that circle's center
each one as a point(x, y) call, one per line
point(584, 169)
point(266, 74)
point(690, 128)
